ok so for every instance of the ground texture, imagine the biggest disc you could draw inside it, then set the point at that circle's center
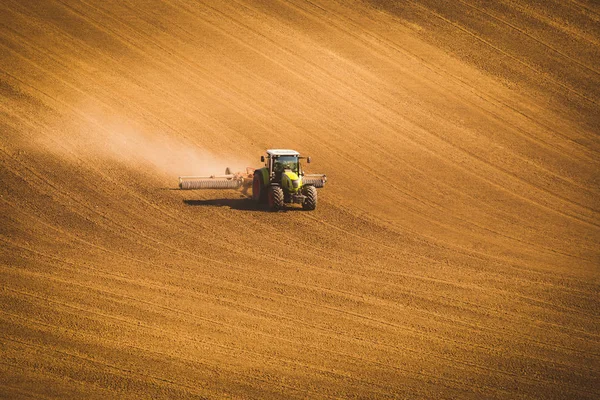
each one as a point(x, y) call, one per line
point(455, 252)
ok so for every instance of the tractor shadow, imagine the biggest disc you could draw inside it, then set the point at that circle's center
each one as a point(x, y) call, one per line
point(243, 204)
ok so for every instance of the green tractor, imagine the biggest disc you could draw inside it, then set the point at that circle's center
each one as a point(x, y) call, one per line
point(282, 181)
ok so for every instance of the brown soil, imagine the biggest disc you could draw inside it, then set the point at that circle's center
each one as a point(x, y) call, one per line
point(454, 252)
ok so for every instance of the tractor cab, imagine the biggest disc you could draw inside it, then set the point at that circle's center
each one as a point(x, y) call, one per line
point(280, 161)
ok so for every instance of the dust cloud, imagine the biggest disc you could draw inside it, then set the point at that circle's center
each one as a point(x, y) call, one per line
point(165, 154)
point(117, 142)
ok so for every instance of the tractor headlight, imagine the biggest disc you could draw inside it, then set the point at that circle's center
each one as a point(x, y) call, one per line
point(296, 183)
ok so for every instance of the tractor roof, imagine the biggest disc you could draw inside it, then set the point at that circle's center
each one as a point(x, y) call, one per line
point(282, 152)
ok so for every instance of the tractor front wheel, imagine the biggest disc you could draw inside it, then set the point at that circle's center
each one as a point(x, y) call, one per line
point(275, 198)
point(310, 202)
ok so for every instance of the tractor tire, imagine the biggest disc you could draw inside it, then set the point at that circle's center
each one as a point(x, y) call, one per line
point(310, 203)
point(259, 194)
point(275, 198)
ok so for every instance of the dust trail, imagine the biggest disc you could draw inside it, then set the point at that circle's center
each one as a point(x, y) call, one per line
point(165, 153)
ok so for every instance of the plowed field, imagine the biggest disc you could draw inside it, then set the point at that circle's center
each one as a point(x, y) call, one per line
point(455, 250)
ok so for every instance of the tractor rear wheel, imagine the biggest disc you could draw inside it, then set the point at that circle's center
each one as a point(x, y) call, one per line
point(310, 202)
point(275, 198)
point(258, 189)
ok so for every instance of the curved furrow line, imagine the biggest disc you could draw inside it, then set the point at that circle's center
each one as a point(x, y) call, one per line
point(501, 314)
point(424, 311)
point(211, 82)
point(373, 173)
point(44, 385)
point(358, 360)
point(73, 237)
point(250, 355)
point(132, 192)
point(482, 160)
point(131, 77)
point(58, 61)
point(484, 95)
point(288, 69)
point(471, 222)
point(536, 39)
point(124, 39)
point(10, 390)
point(468, 153)
point(397, 249)
point(311, 304)
point(487, 96)
point(508, 55)
point(398, 289)
point(333, 308)
point(398, 160)
point(508, 318)
point(48, 184)
point(104, 249)
point(114, 368)
point(595, 14)
point(572, 30)
point(510, 264)
point(503, 260)
point(491, 350)
point(65, 233)
point(94, 338)
point(55, 30)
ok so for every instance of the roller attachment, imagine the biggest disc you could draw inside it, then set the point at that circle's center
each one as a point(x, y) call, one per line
point(209, 183)
point(227, 181)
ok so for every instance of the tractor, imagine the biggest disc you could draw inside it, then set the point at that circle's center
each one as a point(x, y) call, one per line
point(281, 181)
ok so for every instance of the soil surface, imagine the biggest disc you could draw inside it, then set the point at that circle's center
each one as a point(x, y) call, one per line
point(454, 252)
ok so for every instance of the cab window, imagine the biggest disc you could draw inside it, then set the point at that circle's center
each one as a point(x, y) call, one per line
point(286, 162)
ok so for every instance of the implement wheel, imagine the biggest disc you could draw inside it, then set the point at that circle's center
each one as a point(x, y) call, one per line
point(310, 203)
point(275, 198)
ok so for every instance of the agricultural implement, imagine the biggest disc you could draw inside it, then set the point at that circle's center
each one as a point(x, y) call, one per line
point(281, 181)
